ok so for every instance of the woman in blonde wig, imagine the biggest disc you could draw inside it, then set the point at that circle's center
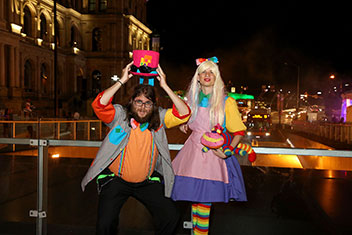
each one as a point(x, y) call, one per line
point(206, 177)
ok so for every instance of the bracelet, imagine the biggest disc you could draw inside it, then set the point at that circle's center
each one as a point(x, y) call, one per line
point(120, 82)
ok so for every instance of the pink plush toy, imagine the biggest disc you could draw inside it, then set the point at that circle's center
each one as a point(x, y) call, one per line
point(217, 138)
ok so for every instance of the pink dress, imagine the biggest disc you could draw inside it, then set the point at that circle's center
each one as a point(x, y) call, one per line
point(204, 177)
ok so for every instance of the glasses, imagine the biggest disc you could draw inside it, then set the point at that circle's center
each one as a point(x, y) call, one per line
point(140, 103)
point(143, 69)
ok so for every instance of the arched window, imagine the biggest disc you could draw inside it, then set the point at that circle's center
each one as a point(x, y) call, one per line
point(81, 84)
point(44, 79)
point(57, 32)
point(96, 77)
point(28, 76)
point(96, 39)
point(73, 41)
point(43, 28)
point(27, 22)
point(75, 37)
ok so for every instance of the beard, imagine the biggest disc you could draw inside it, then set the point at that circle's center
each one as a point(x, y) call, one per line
point(141, 119)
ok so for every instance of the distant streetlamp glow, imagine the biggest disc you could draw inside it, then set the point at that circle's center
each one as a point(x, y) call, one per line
point(332, 76)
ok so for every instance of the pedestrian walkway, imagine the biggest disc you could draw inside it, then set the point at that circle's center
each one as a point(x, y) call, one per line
point(280, 201)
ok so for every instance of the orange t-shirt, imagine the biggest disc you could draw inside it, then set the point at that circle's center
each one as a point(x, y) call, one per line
point(136, 161)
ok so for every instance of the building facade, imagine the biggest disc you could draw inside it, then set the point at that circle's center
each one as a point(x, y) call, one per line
point(95, 39)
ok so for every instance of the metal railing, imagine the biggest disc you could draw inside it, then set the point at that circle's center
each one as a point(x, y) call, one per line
point(336, 132)
point(53, 129)
point(42, 175)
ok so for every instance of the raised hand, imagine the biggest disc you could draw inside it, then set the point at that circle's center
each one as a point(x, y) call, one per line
point(125, 73)
point(161, 76)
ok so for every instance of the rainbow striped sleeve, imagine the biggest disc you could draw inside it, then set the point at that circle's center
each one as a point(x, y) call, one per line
point(233, 117)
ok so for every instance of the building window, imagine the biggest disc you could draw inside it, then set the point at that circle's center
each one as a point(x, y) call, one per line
point(44, 78)
point(57, 32)
point(75, 37)
point(103, 5)
point(28, 76)
point(43, 29)
point(91, 5)
point(96, 40)
point(134, 43)
point(27, 22)
point(96, 75)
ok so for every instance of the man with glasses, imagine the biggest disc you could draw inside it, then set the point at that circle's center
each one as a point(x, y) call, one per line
point(134, 159)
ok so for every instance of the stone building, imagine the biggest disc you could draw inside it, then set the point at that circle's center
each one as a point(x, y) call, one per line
point(95, 39)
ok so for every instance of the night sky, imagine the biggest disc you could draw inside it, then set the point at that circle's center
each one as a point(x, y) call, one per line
point(254, 39)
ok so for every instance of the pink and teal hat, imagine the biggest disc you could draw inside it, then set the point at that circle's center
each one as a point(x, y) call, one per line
point(145, 63)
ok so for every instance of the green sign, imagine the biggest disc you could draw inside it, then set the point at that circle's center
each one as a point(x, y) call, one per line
point(240, 96)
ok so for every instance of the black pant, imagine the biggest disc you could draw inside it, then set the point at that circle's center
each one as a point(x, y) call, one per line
point(115, 193)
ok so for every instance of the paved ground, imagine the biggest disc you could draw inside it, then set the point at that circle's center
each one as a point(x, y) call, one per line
point(280, 201)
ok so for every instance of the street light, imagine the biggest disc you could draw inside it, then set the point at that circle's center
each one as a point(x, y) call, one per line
point(298, 74)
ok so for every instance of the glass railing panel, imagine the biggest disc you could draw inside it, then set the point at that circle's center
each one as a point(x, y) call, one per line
point(82, 130)
point(48, 130)
point(6, 130)
point(18, 193)
point(66, 130)
point(95, 130)
point(67, 204)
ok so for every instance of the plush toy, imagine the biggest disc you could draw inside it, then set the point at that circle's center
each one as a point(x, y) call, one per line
point(244, 150)
point(218, 138)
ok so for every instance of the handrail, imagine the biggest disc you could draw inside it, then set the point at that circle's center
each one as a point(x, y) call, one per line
point(48, 121)
point(258, 150)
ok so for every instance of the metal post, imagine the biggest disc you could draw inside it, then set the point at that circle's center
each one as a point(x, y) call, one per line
point(189, 224)
point(13, 135)
point(74, 130)
point(88, 130)
point(297, 101)
point(56, 98)
point(42, 187)
point(58, 130)
point(298, 78)
point(101, 130)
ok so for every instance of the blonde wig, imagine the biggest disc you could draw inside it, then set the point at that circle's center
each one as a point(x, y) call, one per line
point(216, 102)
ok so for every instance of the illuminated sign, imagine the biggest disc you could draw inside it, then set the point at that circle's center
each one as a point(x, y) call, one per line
point(265, 116)
point(240, 96)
